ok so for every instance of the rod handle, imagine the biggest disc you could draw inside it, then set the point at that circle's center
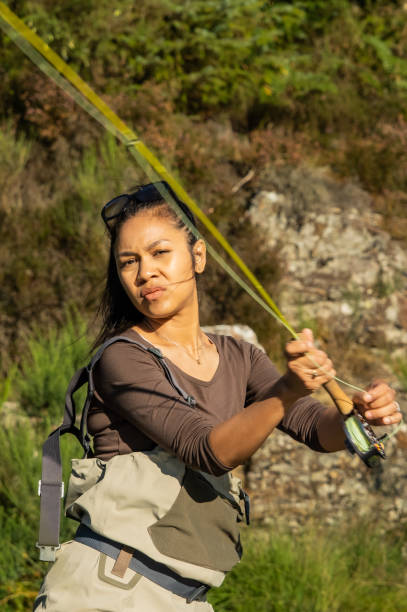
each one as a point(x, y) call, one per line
point(343, 403)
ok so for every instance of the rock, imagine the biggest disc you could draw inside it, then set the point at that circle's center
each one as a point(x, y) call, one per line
point(11, 415)
point(338, 265)
point(242, 332)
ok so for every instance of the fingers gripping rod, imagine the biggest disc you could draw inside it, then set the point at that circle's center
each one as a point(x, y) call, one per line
point(360, 437)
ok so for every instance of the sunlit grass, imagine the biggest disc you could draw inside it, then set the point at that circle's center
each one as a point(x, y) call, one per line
point(351, 568)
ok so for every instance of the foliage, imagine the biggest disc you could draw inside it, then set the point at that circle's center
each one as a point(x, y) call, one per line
point(247, 56)
point(400, 369)
point(53, 252)
point(40, 384)
point(216, 89)
point(356, 569)
point(46, 369)
point(20, 470)
point(5, 387)
point(14, 155)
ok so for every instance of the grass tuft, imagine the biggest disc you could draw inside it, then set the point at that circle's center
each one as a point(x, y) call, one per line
point(51, 361)
point(352, 568)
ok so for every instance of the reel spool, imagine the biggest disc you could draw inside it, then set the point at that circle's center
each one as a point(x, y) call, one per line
point(360, 437)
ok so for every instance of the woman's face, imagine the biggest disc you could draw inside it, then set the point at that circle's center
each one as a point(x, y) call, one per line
point(155, 265)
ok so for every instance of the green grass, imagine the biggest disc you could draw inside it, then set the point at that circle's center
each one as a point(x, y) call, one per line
point(350, 568)
point(330, 81)
point(20, 470)
point(39, 385)
point(51, 361)
point(215, 90)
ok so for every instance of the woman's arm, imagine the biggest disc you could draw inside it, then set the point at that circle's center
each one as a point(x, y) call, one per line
point(234, 441)
point(132, 389)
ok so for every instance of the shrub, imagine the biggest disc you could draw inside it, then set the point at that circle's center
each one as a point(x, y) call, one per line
point(50, 362)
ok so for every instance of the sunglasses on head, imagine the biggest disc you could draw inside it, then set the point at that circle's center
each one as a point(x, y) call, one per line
point(144, 195)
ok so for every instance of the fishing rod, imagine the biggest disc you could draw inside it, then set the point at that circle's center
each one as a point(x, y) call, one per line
point(360, 437)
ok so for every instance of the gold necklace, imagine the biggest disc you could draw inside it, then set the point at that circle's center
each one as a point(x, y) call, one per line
point(197, 359)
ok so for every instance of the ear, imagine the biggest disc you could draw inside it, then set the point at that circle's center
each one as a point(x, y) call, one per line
point(199, 253)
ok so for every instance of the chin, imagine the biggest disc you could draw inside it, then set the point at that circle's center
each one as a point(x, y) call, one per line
point(164, 307)
point(157, 310)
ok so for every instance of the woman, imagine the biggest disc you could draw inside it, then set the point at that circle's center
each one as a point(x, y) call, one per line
point(175, 410)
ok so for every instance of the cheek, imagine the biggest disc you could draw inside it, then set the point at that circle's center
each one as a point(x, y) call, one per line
point(127, 281)
point(179, 271)
point(182, 265)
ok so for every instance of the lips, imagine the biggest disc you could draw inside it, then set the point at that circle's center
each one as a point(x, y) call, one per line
point(152, 292)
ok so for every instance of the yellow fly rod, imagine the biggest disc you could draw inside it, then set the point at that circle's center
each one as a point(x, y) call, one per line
point(52, 65)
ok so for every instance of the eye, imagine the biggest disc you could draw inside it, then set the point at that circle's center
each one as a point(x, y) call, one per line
point(160, 252)
point(128, 262)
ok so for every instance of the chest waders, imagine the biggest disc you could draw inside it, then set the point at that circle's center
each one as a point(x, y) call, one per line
point(177, 526)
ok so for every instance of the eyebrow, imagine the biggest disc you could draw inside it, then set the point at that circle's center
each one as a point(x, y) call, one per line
point(149, 247)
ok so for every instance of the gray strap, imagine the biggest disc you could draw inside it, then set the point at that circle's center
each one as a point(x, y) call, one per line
point(157, 572)
point(150, 349)
point(51, 485)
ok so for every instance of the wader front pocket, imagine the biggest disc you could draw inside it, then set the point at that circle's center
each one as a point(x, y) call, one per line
point(85, 474)
point(201, 527)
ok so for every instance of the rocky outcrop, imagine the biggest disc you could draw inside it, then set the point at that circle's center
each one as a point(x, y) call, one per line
point(287, 479)
point(338, 266)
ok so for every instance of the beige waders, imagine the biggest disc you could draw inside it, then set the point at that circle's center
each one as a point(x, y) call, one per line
point(81, 580)
point(150, 505)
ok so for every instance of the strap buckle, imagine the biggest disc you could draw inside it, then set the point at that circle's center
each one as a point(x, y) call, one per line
point(61, 484)
point(198, 594)
point(246, 499)
point(47, 553)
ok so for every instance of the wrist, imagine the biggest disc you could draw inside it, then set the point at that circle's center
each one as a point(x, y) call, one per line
point(288, 390)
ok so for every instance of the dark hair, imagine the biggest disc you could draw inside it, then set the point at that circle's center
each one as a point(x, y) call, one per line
point(116, 309)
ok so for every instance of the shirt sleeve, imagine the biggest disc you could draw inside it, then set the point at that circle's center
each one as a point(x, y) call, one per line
point(132, 384)
point(301, 423)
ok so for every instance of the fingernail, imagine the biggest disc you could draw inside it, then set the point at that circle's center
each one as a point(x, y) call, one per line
point(367, 397)
point(387, 420)
point(310, 344)
point(368, 415)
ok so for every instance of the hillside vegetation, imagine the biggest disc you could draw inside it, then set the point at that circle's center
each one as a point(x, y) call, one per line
point(216, 89)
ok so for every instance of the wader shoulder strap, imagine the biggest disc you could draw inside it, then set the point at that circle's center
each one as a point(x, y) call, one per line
point(51, 486)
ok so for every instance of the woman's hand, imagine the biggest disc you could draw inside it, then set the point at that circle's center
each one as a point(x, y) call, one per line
point(308, 367)
point(378, 405)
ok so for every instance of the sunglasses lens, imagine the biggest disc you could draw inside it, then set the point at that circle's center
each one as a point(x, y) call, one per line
point(144, 195)
point(114, 208)
point(148, 193)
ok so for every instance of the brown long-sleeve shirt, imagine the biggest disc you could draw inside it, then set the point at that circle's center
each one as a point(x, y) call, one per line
point(136, 408)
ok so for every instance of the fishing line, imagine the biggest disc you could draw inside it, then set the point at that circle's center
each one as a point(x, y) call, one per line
point(29, 42)
point(70, 82)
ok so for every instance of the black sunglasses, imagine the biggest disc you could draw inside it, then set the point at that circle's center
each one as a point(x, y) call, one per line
point(144, 195)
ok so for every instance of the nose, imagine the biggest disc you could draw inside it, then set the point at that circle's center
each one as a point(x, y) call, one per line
point(146, 271)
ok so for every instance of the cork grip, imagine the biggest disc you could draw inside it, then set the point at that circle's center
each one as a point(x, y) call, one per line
point(341, 400)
